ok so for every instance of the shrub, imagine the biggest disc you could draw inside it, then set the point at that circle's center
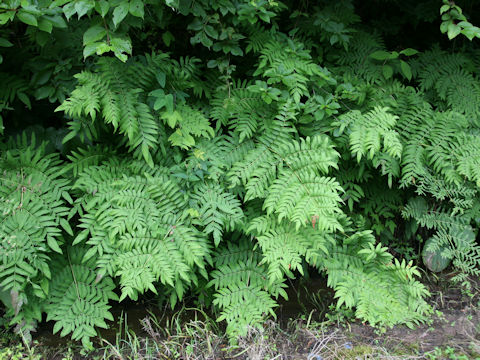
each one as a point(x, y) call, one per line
point(221, 148)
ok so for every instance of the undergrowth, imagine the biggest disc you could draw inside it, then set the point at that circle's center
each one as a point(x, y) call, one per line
point(217, 150)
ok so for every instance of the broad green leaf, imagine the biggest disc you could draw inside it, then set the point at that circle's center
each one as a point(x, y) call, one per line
point(157, 93)
point(444, 26)
point(94, 34)
point(120, 12)
point(409, 52)
point(136, 8)
point(167, 38)
point(69, 10)
point(103, 48)
point(57, 21)
point(121, 56)
point(380, 55)
point(5, 43)
point(121, 45)
point(172, 118)
point(169, 102)
point(210, 30)
point(444, 8)
point(453, 31)
point(102, 7)
point(82, 7)
point(56, 3)
point(90, 49)
point(31, 7)
point(45, 25)
point(6, 17)
point(406, 71)
point(27, 18)
point(387, 71)
point(159, 103)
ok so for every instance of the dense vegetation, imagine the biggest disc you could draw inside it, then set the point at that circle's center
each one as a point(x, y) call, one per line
point(215, 149)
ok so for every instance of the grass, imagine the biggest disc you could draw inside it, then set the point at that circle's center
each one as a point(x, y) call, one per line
point(190, 334)
point(176, 339)
point(200, 338)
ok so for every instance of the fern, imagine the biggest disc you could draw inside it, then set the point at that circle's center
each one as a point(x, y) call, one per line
point(242, 290)
point(356, 61)
point(368, 132)
point(240, 108)
point(217, 211)
point(295, 140)
point(125, 223)
point(78, 297)
point(302, 197)
point(449, 76)
point(284, 248)
point(289, 63)
point(370, 273)
point(34, 196)
point(188, 122)
point(262, 163)
point(453, 234)
point(110, 91)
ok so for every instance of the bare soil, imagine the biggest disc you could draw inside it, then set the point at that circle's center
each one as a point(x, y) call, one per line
point(456, 326)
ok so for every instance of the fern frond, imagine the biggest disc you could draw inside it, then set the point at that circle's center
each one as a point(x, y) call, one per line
point(131, 219)
point(218, 210)
point(302, 196)
point(113, 92)
point(284, 248)
point(289, 63)
point(243, 291)
point(368, 131)
point(33, 195)
point(78, 298)
point(447, 74)
point(240, 108)
point(83, 158)
point(187, 122)
point(363, 276)
point(262, 165)
point(145, 258)
point(356, 63)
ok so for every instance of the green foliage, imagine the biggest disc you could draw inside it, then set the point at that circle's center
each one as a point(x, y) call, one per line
point(243, 290)
point(455, 23)
point(220, 148)
point(78, 297)
point(366, 276)
point(34, 197)
point(434, 260)
point(133, 218)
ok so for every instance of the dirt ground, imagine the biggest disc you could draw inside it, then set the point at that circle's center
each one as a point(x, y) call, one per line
point(456, 326)
point(453, 333)
point(301, 332)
